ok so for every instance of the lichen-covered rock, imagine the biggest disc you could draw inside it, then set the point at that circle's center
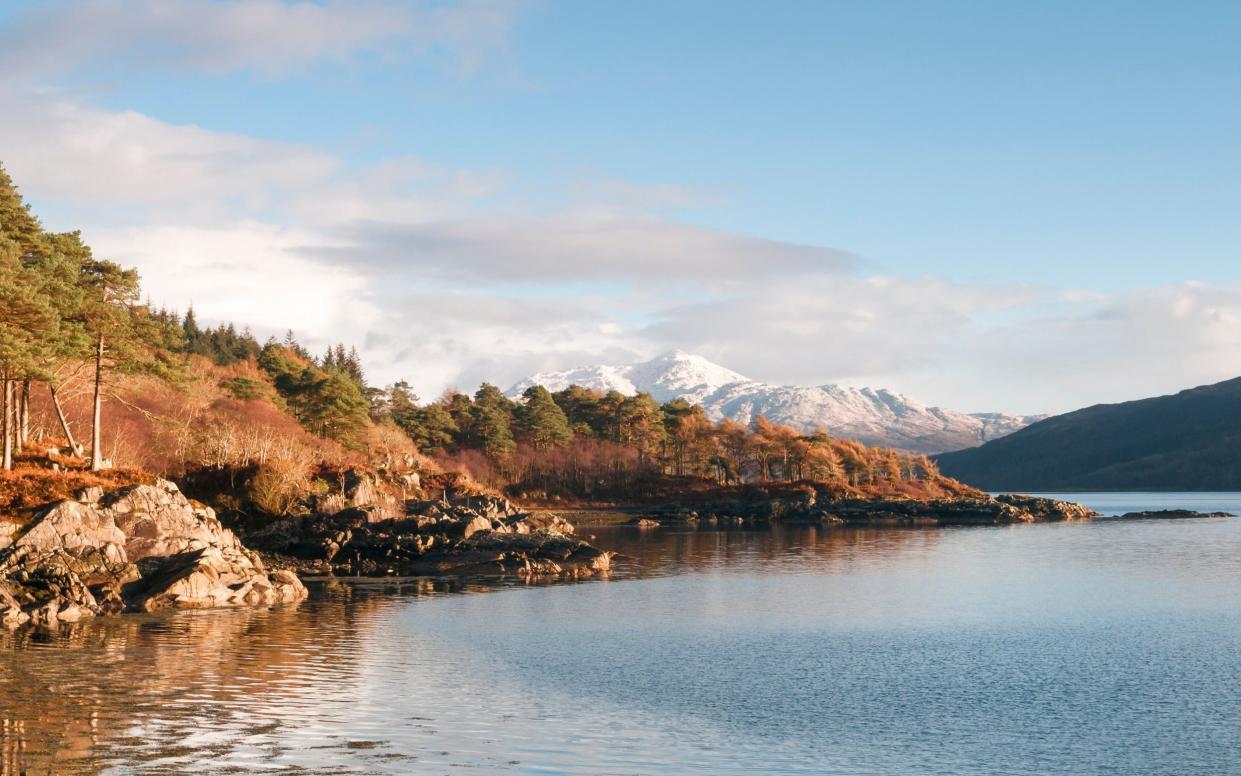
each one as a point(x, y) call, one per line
point(358, 490)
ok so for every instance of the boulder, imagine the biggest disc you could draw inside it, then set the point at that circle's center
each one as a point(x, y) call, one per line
point(140, 548)
point(544, 521)
point(475, 525)
point(212, 577)
point(454, 534)
point(158, 521)
point(70, 525)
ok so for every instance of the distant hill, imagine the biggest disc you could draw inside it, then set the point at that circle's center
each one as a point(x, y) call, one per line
point(1187, 441)
point(873, 416)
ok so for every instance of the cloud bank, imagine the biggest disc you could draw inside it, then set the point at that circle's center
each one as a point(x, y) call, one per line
point(448, 277)
point(269, 37)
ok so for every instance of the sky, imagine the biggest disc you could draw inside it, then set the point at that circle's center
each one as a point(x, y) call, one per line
point(1018, 207)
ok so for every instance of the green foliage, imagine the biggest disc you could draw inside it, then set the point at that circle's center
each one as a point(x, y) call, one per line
point(540, 420)
point(328, 402)
point(223, 344)
point(431, 427)
point(17, 223)
point(28, 320)
point(244, 388)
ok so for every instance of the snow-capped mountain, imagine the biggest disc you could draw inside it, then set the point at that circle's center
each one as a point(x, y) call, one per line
point(874, 416)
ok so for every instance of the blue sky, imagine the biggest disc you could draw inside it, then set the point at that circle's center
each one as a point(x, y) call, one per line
point(958, 200)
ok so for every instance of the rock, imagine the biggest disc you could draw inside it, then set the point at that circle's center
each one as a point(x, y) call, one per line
point(70, 525)
point(455, 534)
point(543, 521)
point(1171, 514)
point(213, 577)
point(89, 495)
point(474, 526)
point(822, 508)
point(358, 490)
point(139, 548)
point(646, 522)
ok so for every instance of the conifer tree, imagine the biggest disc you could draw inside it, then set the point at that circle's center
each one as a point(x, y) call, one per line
point(111, 292)
point(490, 422)
point(27, 328)
point(541, 421)
point(17, 223)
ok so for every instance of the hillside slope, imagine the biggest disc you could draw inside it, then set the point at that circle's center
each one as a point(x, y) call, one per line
point(1187, 441)
point(872, 416)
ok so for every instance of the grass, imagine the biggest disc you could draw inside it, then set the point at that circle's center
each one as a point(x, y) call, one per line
point(34, 483)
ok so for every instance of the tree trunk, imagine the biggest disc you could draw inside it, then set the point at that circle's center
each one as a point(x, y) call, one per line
point(23, 415)
point(6, 460)
point(96, 449)
point(64, 422)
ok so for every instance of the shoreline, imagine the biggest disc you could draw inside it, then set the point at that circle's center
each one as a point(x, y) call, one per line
point(148, 547)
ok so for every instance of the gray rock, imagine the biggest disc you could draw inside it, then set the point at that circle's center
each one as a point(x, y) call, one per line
point(89, 495)
point(77, 560)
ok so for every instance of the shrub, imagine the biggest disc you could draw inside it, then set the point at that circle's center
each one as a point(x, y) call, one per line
point(278, 486)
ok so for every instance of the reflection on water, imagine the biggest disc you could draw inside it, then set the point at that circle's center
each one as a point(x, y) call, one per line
point(1086, 648)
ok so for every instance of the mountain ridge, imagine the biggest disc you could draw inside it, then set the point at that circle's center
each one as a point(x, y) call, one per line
point(1189, 440)
point(874, 416)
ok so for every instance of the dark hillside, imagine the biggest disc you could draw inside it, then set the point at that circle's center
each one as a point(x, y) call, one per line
point(1187, 441)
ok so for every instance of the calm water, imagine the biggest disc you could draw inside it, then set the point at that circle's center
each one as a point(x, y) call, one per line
point(1103, 648)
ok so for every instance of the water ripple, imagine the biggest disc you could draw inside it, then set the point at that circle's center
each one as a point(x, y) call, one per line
point(1096, 648)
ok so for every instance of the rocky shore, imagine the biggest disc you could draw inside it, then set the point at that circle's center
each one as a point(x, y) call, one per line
point(148, 547)
point(141, 548)
point(820, 508)
point(1170, 514)
point(457, 534)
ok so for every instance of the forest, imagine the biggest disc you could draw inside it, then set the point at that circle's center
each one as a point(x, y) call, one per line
point(102, 379)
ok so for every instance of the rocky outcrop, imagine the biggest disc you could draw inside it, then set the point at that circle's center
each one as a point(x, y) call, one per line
point(1171, 514)
point(813, 507)
point(360, 490)
point(459, 533)
point(141, 548)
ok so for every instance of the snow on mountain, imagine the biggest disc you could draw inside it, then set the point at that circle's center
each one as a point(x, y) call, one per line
point(874, 416)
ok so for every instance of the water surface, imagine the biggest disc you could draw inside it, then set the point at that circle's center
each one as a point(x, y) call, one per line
point(1067, 648)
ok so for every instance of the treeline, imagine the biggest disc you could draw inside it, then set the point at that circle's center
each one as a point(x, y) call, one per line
point(69, 321)
point(63, 315)
point(589, 444)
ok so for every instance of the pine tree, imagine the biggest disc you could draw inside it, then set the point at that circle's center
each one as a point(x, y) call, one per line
point(641, 425)
point(111, 293)
point(491, 422)
point(436, 428)
point(28, 325)
point(334, 407)
point(541, 421)
point(17, 223)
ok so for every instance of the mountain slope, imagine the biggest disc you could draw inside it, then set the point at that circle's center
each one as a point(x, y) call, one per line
point(1186, 441)
point(878, 417)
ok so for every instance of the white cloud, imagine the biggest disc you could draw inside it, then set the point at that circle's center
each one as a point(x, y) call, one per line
point(61, 149)
point(248, 273)
point(266, 36)
point(1119, 347)
point(574, 246)
point(439, 284)
point(840, 328)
